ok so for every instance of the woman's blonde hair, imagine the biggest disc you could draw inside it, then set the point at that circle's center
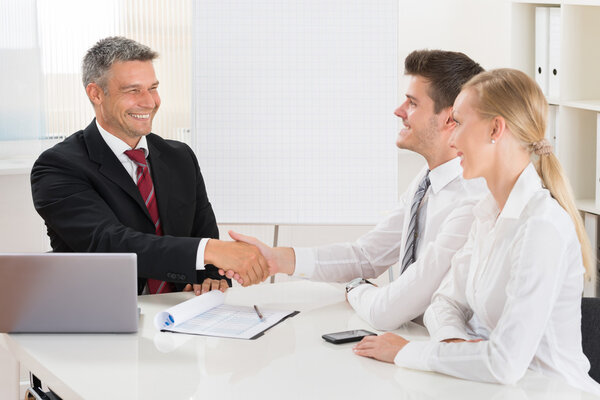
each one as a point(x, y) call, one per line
point(519, 100)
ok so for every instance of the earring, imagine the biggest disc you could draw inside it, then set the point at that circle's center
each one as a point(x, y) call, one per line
point(493, 141)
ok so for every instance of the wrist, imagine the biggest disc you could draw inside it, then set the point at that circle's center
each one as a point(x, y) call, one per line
point(210, 251)
point(285, 259)
point(354, 283)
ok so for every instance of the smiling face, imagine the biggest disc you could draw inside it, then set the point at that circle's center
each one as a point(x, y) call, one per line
point(472, 137)
point(421, 124)
point(131, 100)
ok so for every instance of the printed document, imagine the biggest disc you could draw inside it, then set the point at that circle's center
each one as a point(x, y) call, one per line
point(208, 315)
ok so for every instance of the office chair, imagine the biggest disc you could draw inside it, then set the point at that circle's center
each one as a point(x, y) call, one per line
point(590, 333)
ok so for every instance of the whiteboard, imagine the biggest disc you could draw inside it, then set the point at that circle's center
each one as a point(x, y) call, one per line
point(293, 109)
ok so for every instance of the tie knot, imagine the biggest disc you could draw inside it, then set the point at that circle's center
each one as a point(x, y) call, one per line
point(137, 156)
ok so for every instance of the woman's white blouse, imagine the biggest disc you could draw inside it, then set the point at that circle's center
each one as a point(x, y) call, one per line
point(517, 284)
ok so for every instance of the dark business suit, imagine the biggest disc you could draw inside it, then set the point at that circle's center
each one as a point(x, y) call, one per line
point(90, 204)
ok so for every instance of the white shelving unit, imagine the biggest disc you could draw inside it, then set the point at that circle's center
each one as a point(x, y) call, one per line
point(578, 103)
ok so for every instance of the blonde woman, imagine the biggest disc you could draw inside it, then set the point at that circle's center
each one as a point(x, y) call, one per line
point(512, 298)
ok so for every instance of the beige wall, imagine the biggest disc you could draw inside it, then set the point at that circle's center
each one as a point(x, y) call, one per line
point(21, 228)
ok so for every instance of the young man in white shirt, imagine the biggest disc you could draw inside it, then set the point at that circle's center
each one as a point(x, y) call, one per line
point(431, 221)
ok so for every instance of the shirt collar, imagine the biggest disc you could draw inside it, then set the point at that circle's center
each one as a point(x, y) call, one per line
point(118, 146)
point(443, 174)
point(528, 183)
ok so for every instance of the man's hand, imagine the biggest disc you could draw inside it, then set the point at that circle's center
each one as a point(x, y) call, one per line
point(279, 259)
point(207, 286)
point(237, 258)
point(383, 347)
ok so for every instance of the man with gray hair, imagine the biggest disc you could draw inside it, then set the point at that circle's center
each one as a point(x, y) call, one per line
point(117, 187)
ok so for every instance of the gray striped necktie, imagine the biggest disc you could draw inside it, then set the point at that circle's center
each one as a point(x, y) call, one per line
point(413, 226)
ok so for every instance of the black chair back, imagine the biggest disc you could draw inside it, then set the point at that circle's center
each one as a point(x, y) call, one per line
point(590, 333)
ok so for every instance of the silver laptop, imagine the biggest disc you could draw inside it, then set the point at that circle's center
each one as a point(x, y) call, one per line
point(68, 292)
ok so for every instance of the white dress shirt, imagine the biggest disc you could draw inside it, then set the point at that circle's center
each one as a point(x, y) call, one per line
point(119, 147)
point(446, 216)
point(517, 284)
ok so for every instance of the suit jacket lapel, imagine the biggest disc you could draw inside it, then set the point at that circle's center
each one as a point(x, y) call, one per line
point(161, 180)
point(110, 166)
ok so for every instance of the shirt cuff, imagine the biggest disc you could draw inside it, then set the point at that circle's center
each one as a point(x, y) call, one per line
point(449, 332)
point(200, 265)
point(415, 355)
point(355, 294)
point(305, 262)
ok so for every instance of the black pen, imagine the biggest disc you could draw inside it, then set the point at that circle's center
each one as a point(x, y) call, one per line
point(258, 312)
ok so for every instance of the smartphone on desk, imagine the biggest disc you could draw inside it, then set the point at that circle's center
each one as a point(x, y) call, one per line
point(347, 336)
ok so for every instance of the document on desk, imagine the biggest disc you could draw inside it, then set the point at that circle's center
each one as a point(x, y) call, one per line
point(208, 315)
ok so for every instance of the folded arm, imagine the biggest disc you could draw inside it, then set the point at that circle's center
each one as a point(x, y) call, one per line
point(407, 297)
point(536, 272)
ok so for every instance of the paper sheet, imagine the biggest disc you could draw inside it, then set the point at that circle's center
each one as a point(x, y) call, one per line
point(207, 315)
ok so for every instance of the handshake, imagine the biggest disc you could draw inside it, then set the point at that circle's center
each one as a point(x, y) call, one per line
point(248, 260)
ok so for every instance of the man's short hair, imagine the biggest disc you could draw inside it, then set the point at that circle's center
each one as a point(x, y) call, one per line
point(106, 52)
point(446, 72)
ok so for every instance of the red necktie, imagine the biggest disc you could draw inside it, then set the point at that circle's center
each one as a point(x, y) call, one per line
point(144, 184)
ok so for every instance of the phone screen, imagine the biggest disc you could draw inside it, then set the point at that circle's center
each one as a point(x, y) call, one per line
point(347, 336)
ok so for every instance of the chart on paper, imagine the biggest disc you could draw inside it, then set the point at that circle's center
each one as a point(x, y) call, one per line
point(225, 320)
point(230, 321)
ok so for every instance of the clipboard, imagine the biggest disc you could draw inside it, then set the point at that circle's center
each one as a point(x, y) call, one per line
point(208, 315)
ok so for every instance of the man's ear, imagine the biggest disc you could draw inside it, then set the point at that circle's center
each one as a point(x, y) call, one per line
point(95, 93)
point(448, 121)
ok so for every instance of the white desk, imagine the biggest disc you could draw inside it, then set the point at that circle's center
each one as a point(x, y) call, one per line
point(290, 361)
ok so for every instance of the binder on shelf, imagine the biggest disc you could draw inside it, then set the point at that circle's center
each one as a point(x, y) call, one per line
point(554, 54)
point(598, 160)
point(542, 29)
